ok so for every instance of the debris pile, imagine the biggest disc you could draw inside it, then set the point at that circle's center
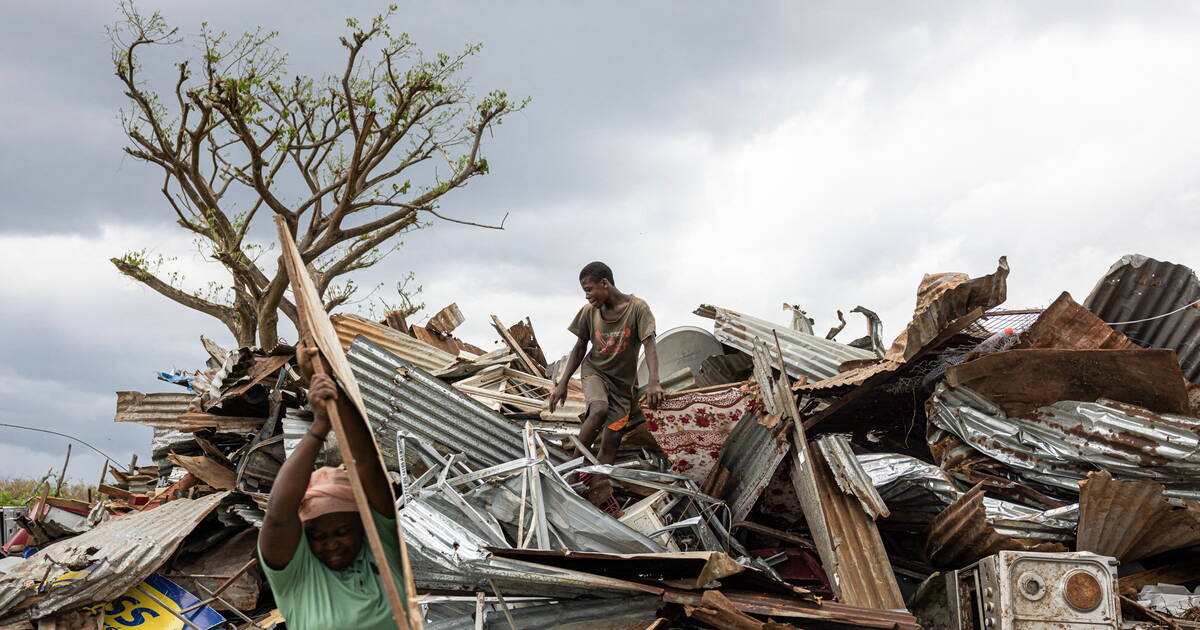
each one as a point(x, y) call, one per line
point(788, 480)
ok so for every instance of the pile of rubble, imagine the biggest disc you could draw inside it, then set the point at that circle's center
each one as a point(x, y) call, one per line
point(987, 466)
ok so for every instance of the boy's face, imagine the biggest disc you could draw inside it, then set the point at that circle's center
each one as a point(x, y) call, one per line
point(595, 291)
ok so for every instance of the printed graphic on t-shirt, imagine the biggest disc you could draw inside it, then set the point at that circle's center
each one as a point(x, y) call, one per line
point(613, 343)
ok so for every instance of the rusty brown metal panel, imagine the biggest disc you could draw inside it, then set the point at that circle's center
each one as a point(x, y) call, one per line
point(121, 552)
point(1129, 520)
point(960, 535)
point(935, 310)
point(226, 559)
point(446, 320)
point(1068, 325)
point(1022, 381)
point(1139, 288)
point(850, 476)
point(862, 570)
point(408, 348)
point(156, 410)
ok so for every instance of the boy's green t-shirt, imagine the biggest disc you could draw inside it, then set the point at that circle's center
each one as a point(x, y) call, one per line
point(312, 596)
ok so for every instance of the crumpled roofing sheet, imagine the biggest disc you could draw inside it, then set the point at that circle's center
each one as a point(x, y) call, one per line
point(121, 552)
point(1129, 520)
point(932, 315)
point(1068, 439)
point(804, 355)
point(935, 312)
point(914, 487)
point(400, 395)
point(1066, 324)
point(350, 327)
point(961, 535)
point(1136, 288)
point(850, 475)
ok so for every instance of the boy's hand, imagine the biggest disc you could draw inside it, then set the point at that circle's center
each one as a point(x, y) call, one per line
point(559, 396)
point(322, 392)
point(654, 394)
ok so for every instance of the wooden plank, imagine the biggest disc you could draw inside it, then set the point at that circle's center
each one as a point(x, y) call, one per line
point(207, 470)
point(530, 366)
point(314, 324)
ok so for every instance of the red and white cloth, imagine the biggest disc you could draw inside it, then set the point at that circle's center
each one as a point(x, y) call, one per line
point(691, 428)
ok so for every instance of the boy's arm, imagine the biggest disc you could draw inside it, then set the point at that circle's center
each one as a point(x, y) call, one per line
point(573, 360)
point(654, 390)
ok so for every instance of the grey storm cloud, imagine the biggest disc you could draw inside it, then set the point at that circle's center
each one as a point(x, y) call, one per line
point(738, 153)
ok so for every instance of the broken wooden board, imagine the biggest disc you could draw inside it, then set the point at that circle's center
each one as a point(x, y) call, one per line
point(315, 325)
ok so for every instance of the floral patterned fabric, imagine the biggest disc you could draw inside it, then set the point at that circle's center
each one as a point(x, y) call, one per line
point(691, 428)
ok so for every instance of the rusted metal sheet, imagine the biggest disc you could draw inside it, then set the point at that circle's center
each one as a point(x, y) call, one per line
point(961, 535)
point(410, 349)
point(119, 552)
point(1130, 520)
point(207, 568)
point(446, 320)
point(401, 396)
point(1140, 288)
point(804, 355)
point(1063, 441)
point(861, 568)
point(943, 298)
point(849, 474)
point(1021, 381)
point(748, 459)
point(825, 612)
point(155, 410)
point(1066, 324)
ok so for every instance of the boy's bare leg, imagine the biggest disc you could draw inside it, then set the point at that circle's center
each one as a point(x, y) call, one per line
point(609, 443)
point(597, 412)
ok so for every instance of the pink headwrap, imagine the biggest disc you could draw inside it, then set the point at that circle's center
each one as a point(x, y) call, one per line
point(328, 491)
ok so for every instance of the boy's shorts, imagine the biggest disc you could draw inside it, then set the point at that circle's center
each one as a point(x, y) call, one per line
point(620, 404)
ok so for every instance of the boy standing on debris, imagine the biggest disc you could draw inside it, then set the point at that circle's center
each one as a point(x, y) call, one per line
point(614, 323)
point(311, 545)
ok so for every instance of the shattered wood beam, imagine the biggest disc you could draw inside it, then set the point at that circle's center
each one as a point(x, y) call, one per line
point(315, 325)
point(530, 366)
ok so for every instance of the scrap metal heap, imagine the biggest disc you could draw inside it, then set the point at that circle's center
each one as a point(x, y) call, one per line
point(788, 481)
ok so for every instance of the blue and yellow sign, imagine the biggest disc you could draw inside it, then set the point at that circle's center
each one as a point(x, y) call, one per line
point(148, 605)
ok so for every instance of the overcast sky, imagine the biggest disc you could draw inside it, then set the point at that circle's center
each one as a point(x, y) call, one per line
point(735, 153)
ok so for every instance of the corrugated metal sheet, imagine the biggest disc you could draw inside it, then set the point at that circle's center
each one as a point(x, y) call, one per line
point(1136, 288)
point(1067, 439)
point(750, 454)
point(156, 410)
point(862, 569)
point(804, 355)
point(1066, 324)
point(849, 474)
point(544, 616)
point(121, 552)
point(1129, 520)
point(961, 535)
point(922, 490)
point(410, 349)
point(400, 395)
point(933, 315)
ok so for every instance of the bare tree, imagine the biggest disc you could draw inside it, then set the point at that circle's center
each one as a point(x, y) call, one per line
point(335, 156)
